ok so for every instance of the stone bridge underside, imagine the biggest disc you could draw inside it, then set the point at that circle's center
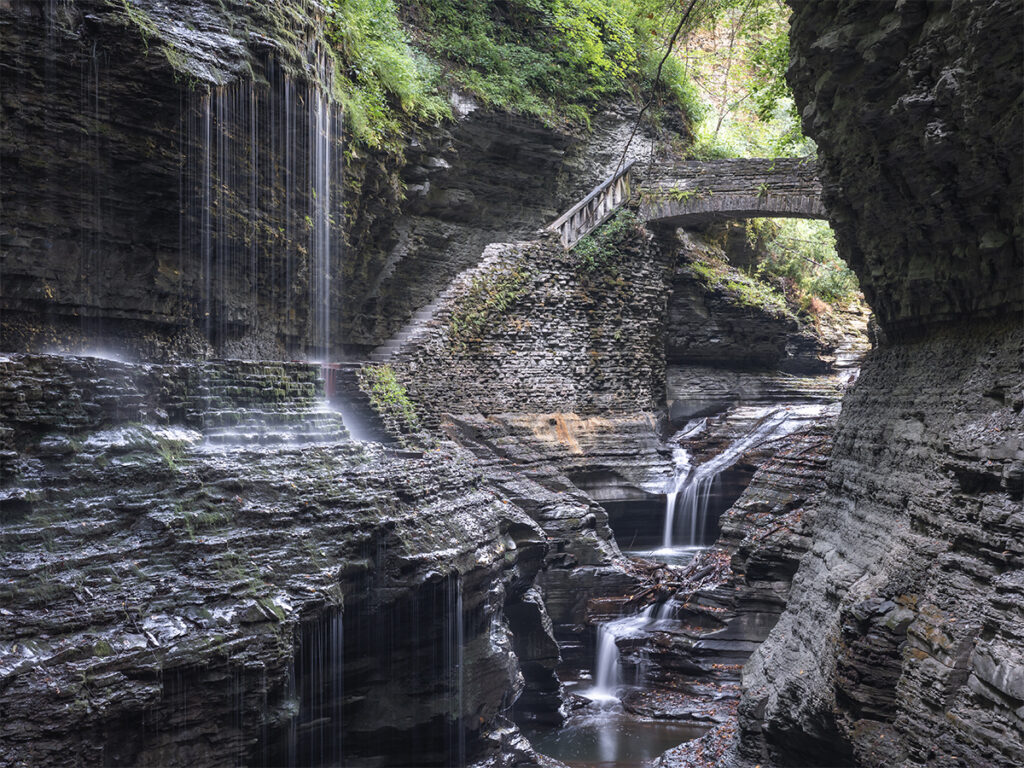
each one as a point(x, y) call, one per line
point(699, 192)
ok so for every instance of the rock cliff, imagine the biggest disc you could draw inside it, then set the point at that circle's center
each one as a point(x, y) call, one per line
point(902, 641)
point(199, 566)
point(173, 188)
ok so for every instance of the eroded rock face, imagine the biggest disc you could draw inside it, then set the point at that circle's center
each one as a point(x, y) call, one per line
point(902, 601)
point(734, 592)
point(488, 178)
point(173, 179)
point(915, 110)
point(902, 643)
point(722, 348)
point(159, 177)
point(199, 567)
point(583, 560)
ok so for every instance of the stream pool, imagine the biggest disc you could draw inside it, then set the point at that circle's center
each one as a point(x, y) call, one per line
point(609, 738)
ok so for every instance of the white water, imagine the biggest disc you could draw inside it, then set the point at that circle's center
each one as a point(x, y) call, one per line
point(454, 670)
point(607, 665)
point(686, 507)
point(316, 686)
point(262, 173)
point(681, 461)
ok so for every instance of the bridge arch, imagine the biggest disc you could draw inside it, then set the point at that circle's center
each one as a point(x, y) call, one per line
point(695, 192)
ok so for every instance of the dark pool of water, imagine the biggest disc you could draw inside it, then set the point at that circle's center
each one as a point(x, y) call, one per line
point(609, 739)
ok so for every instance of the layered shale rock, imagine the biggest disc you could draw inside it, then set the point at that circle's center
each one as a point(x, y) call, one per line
point(734, 593)
point(536, 329)
point(913, 545)
point(723, 346)
point(151, 203)
point(916, 113)
point(174, 181)
point(522, 452)
point(199, 566)
point(488, 178)
point(902, 643)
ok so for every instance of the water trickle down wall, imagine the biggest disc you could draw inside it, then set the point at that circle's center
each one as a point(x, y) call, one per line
point(167, 185)
point(261, 210)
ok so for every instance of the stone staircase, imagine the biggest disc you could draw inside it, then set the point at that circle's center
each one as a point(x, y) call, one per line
point(343, 393)
point(413, 328)
point(588, 214)
point(429, 315)
point(244, 403)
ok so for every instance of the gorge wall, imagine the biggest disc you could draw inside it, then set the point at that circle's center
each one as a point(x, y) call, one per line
point(199, 565)
point(177, 189)
point(161, 178)
point(182, 540)
point(903, 640)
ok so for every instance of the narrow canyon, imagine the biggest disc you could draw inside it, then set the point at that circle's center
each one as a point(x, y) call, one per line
point(559, 383)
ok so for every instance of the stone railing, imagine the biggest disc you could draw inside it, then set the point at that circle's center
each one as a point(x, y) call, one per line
point(594, 209)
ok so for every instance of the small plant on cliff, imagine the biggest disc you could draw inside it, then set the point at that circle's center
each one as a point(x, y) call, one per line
point(600, 250)
point(389, 397)
point(489, 296)
point(717, 274)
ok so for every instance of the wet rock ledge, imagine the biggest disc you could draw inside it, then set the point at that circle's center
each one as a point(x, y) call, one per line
point(171, 595)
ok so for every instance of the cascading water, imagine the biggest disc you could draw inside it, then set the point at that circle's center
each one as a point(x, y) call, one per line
point(687, 504)
point(316, 685)
point(262, 170)
point(681, 462)
point(607, 664)
point(322, 124)
point(455, 669)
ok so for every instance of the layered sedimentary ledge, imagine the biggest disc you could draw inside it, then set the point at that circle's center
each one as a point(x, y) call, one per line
point(199, 563)
point(902, 643)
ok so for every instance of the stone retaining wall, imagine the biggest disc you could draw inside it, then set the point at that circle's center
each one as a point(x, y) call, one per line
point(571, 341)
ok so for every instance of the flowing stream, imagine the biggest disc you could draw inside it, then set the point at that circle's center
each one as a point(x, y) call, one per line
point(604, 735)
point(688, 524)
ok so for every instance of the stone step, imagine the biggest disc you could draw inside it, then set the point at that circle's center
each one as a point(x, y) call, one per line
point(242, 437)
point(420, 320)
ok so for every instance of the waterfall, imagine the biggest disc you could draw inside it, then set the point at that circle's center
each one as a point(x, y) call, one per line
point(316, 686)
point(693, 488)
point(681, 466)
point(670, 518)
point(322, 127)
point(667, 611)
point(261, 179)
point(455, 641)
point(606, 666)
point(607, 663)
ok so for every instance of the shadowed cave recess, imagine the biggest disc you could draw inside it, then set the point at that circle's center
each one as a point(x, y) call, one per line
point(318, 447)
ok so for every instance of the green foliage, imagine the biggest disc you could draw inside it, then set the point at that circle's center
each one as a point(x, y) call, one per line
point(717, 274)
point(738, 56)
point(489, 296)
point(802, 256)
point(170, 450)
point(132, 16)
point(382, 77)
point(597, 251)
point(553, 58)
point(676, 81)
point(388, 396)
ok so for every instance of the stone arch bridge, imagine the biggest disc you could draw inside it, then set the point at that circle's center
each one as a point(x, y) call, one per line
point(691, 193)
point(695, 192)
